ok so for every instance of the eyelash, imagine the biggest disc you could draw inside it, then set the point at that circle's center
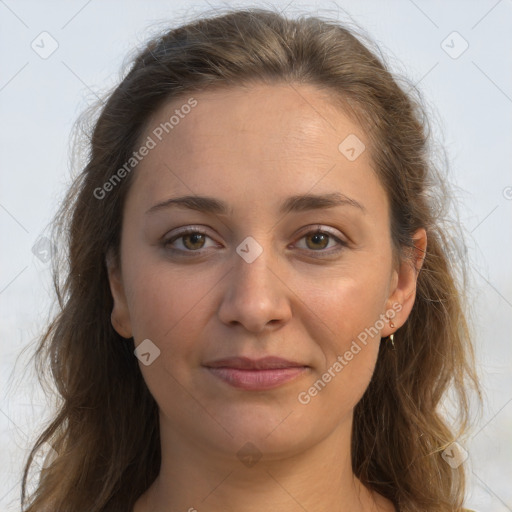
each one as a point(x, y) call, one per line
point(189, 231)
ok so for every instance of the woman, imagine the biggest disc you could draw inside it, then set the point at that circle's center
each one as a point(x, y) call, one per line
point(260, 311)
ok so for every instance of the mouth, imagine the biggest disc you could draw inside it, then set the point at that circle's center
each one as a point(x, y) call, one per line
point(256, 374)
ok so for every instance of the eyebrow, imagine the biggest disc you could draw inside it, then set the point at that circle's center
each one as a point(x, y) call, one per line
point(298, 203)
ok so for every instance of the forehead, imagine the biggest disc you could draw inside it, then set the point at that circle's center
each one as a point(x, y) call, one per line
point(251, 138)
point(280, 115)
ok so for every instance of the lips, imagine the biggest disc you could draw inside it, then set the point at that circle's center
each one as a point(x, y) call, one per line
point(256, 374)
point(245, 363)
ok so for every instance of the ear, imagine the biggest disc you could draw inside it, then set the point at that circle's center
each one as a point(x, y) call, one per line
point(403, 292)
point(120, 316)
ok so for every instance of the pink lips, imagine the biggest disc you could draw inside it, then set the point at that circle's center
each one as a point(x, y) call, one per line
point(255, 374)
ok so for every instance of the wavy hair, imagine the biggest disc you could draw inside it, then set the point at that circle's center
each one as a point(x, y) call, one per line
point(103, 459)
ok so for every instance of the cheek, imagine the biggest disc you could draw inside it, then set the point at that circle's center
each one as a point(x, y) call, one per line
point(169, 306)
point(343, 303)
point(164, 297)
point(343, 319)
point(168, 309)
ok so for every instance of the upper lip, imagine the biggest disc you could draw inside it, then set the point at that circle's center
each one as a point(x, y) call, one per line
point(246, 363)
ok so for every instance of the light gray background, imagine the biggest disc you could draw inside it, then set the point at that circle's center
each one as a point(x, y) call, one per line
point(470, 96)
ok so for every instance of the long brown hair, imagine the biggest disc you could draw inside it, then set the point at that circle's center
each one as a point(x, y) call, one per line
point(105, 456)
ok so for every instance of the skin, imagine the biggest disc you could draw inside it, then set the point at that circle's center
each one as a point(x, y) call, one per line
point(253, 147)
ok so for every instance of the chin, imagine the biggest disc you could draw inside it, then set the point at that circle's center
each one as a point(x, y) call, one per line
point(273, 433)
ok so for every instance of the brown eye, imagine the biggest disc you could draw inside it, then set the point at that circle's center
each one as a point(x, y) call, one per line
point(317, 240)
point(190, 240)
point(322, 242)
point(193, 241)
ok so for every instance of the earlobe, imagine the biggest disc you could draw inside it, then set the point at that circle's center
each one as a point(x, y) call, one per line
point(120, 316)
point(403, 296)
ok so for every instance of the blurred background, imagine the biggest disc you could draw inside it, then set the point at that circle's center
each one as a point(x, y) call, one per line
point(58, 57)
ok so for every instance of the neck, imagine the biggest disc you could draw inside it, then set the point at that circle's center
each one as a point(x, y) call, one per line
point(200, 479)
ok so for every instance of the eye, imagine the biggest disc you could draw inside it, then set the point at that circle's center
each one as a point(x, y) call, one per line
point(320, 239)
point(188, 240)
point(194, 240)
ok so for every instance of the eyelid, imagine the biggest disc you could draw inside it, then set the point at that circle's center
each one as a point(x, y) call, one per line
point(188, 229)
point(314, 228)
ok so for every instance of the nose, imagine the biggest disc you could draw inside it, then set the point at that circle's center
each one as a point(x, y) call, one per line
point(256, 295)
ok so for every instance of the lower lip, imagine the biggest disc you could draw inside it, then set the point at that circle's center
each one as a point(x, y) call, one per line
point(257, 379)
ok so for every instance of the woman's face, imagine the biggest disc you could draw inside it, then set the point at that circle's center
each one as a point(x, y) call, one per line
point(255, 281)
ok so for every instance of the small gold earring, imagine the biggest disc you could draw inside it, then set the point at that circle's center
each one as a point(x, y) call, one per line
point(391, 336)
